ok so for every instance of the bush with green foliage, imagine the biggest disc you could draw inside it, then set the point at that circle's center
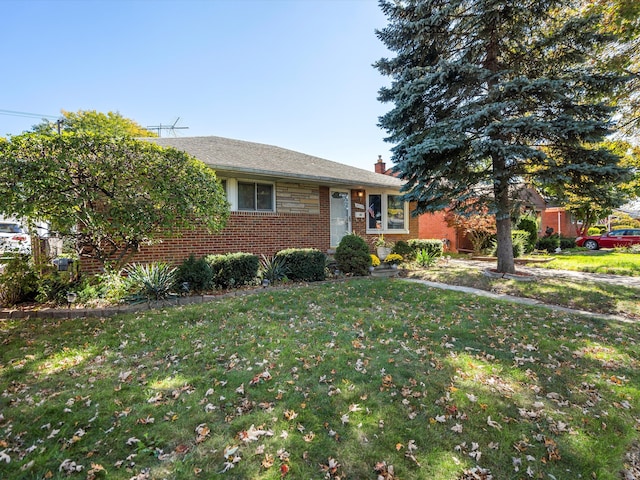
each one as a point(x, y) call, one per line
point(195, 273)
point(304, 264)
point(519, 240)
point(18, 281)
point(403, 249)
point(352, 255)
point(233, 269)
point(550, 244)
point(273, 269)
point(153, 281)
point(567, 242)
point(431, 245)
point(53, 285)
point(592, 231)
point(529, 224)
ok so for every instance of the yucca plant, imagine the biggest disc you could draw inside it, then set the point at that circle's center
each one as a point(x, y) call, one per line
point(273, 269)
point(153, 281)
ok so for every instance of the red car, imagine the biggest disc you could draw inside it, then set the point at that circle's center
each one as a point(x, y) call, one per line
point(615, 238)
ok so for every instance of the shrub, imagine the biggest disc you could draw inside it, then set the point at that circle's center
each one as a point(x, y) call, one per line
point(567, 242)
point(18, 281)
point(594, 231)
point(530, 226)
point(153, 281)
point(273, 269)
point(402, 248)
point(233, 269)
point(304, 264)
point(352, 255)
point(53, 285)
point(196, 272)
point(432, 246)
point(550, 244)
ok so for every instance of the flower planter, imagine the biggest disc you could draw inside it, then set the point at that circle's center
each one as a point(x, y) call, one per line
point(383, 252)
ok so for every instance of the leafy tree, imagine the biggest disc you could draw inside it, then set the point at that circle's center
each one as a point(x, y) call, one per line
point(478, 228)
point(108, 124)
point(479, 87)
point(593, 202)
point(111, 195)
point(622, 18)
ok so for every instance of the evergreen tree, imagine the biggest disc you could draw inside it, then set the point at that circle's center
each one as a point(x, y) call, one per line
point(490, 93)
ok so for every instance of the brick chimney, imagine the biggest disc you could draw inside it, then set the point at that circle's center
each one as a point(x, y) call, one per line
point(380, 166)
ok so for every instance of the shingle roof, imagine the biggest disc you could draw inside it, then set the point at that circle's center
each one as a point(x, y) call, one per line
point(238, 156)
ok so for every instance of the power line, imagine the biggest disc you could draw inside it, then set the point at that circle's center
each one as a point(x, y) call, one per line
point(13, 113)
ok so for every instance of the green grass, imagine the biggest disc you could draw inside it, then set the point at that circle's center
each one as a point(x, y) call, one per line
point(598, 261)
point(592, 295)
point(326, 381)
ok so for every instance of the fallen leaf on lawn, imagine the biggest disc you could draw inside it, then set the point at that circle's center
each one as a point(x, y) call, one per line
point(493, 423)
point(267, 461)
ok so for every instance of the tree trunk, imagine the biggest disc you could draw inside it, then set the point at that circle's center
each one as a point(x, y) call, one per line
point(503, 218)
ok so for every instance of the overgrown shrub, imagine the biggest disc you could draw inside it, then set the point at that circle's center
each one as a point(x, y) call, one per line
point(529, 225)
point(304, 264)
point(18, 281)
point(432, 246)
point(402, 248)
point(352, 255)
point(196, 273)
point(233, 269)
point(53, 285)
point(550, 244)
point(153, 281)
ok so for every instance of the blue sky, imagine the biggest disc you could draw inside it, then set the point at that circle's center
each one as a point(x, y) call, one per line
point(291, 73)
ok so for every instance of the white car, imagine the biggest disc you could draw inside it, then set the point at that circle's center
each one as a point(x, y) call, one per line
point(14, 238)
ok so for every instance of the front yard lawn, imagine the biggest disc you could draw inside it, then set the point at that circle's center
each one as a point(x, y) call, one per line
point(598, 261)
point(359, 379)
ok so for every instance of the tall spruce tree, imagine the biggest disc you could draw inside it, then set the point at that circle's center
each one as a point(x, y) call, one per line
point(492, 93)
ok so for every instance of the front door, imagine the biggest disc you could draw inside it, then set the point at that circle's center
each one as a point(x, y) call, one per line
point(340, 215)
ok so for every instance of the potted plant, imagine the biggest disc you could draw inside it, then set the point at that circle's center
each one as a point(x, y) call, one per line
point(375, 261)
point(393, 259)
point(383, 248)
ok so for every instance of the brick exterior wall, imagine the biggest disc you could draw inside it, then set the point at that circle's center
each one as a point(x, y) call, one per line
point(558, 219)
point(433, 225)
point(302, 220)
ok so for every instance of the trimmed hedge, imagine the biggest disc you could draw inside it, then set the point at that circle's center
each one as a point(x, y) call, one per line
point(431, 245)
point(233, 269)
point(196, 272)
point(304, 264)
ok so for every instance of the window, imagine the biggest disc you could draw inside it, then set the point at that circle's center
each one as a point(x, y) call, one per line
point(386, 213)
point(255, 196)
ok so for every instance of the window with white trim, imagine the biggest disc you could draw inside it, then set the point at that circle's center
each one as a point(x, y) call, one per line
point(256, 196)
point(387, 213)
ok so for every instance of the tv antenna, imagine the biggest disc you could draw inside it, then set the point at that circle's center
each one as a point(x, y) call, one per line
point(172, 128)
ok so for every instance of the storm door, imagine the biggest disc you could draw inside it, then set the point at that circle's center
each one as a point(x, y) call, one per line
point(340, 213)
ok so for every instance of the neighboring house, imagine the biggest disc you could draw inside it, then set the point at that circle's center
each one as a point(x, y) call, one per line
point(285, 199)
point(434, 225)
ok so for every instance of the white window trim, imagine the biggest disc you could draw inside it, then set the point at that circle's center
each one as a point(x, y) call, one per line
point(232, 193)
point(384, 194)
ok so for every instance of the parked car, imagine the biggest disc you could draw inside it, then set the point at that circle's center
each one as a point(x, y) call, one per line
point(14, 238)
point(612, 239)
